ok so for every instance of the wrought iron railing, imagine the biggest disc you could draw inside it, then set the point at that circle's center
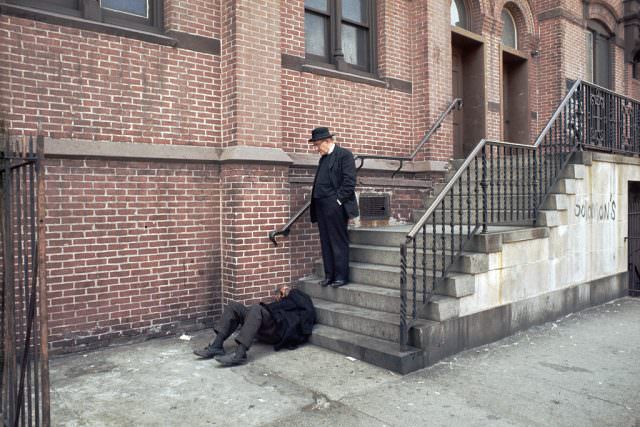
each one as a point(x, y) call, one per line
point(612, 121)
point(24, 369)
point(456, 104)
point(498, 183)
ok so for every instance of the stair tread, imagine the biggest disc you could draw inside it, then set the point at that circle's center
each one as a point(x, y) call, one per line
point(367, 313)
point(405, 228)
point(378, 344)
point(352, 310)
point(395, 249)
point(378, 290)
point(394, 269)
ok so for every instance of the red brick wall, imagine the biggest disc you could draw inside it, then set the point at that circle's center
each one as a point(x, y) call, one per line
point(88, 85)
point(132, 248)
point(365, 119)
point(255, 201)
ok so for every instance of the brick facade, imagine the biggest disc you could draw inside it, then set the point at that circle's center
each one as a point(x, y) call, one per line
point(153, 242)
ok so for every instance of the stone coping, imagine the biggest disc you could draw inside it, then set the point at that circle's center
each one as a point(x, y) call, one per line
point(77, 148)
point(311, 160)
point(74, 148)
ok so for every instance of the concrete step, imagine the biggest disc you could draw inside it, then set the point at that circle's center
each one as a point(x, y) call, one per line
point(391, 236)
point(389, 276)
point(439, 307)
point(467, 262)
point(383, 353)
point(558, 202)
point(574, 171)
point(564, 186)
point(464, 217)
point(360, 320)
point(554, 218)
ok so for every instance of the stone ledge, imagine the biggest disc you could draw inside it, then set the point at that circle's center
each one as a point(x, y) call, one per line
point(615, 158)
point(246, 154)
point(419, 184)
point(74, 148)
point(311, 160)
point(78, 148)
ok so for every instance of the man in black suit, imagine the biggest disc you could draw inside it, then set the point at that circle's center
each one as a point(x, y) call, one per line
point(333, 202)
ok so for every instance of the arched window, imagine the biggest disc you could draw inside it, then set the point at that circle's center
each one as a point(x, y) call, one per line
point(509, 33)
point(458, 14)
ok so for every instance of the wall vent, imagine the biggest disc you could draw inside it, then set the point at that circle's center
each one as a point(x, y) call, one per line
point(374, 206)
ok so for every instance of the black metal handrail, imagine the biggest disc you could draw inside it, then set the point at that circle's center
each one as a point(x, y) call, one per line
point(455, 104)
point(498, 183)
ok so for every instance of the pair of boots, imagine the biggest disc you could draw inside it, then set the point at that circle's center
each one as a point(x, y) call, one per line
point(215, 349)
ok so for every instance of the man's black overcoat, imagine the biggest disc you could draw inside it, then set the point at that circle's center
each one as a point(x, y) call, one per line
point(294, 317)
point(342, 173)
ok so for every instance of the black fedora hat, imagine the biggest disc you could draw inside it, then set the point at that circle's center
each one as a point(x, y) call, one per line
point(320, 133)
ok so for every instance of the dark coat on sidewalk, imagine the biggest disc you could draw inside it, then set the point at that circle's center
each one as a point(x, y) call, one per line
point(294, 317)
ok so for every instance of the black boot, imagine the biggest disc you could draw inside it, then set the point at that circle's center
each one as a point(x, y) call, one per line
point(213, 349)
point(238, 357)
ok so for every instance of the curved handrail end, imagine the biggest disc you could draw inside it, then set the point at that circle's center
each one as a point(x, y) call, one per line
point(272, 237)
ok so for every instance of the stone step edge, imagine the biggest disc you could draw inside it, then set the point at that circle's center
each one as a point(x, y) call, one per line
point(376, 351)
point(381, 291)
point(396, 269)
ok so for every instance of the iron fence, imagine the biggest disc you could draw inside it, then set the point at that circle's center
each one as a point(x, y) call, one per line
point(611, 121)
point(24, 380)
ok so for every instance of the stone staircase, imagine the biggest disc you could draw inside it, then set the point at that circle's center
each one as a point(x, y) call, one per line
point(362, 319)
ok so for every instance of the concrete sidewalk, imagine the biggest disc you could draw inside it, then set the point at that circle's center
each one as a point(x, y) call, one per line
point(583, 370)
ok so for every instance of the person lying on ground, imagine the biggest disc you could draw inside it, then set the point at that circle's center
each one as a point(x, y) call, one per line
point(285, 323)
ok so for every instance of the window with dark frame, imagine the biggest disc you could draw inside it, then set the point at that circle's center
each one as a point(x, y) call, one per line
point(144, 15)
point(341, 33)
point(598, 54)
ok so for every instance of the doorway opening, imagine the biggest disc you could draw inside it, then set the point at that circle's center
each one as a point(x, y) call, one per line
point(468, 83)
point(633, 240)
point(515, 97)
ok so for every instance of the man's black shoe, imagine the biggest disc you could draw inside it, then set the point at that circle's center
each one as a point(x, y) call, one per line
point(209, 351)
point(326, 282)
point(235, 358)
point(338, 283)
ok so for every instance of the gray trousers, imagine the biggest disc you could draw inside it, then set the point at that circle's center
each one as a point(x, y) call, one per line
point(255, 322)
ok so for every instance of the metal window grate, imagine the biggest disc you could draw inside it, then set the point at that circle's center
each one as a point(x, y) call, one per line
point(374, 206)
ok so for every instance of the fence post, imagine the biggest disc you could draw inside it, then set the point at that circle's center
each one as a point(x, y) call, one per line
point(403, 297)
point(483, 184)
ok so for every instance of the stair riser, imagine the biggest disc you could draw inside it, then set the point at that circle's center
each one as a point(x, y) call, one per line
point(396, 364)
point(372, 328)
point(385, 279)
point(456, 285)
point(392, 239)
point(475, 263)
point(499, 201)
point(505, 215)
point(386, 303)
point(373, 256)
